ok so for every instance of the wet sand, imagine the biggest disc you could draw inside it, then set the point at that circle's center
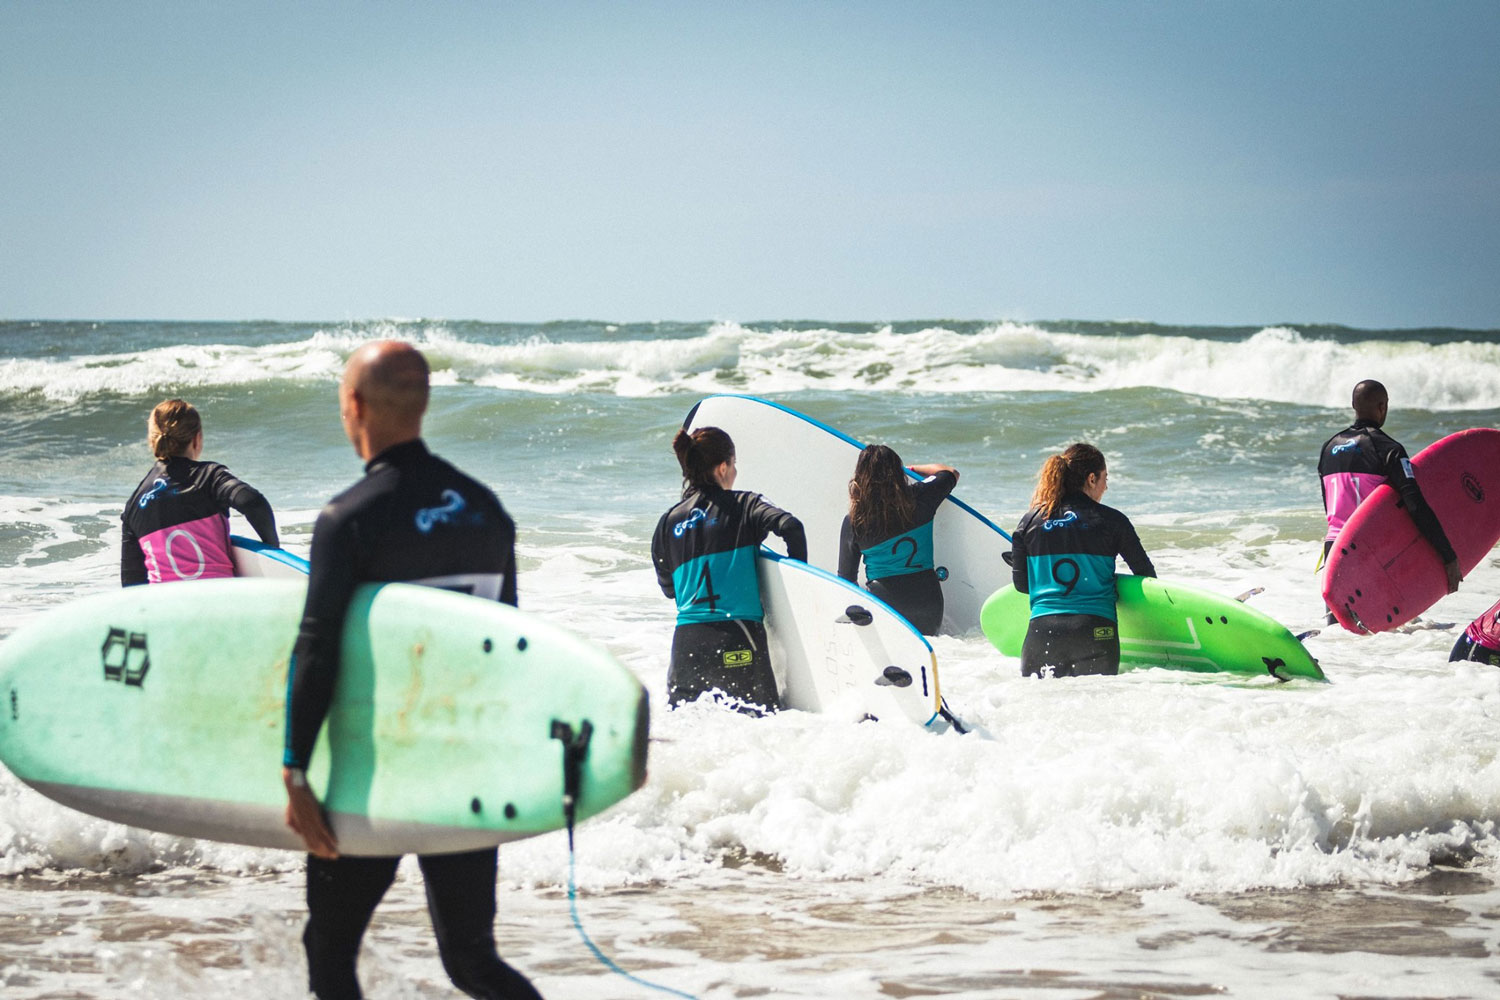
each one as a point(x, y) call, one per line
point(749, 931)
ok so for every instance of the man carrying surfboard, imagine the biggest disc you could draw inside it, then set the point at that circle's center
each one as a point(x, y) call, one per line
point(1361, 457)
point(412, 517)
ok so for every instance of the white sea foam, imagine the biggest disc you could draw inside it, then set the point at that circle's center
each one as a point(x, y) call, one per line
point(1152, 779)
point(1276, 364)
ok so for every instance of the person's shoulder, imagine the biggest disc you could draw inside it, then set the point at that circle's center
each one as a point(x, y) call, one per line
point(1027, 520)
point(1334, 437)
point(1112, 513)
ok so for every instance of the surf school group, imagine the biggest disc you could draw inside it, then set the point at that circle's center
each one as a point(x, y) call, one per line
point(1402, 533)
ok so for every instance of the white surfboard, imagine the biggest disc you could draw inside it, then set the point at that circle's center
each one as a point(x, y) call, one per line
point(839, 649)
point(256, 558)
point(804, 466)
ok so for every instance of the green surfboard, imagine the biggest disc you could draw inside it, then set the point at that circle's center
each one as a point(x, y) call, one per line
point(1174, 626)
point(164, 707)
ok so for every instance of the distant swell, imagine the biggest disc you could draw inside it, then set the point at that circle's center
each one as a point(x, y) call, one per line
point(1275, 364)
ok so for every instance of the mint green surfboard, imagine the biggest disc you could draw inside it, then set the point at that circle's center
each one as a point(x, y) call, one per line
point(163, 707)
point(1174, 626)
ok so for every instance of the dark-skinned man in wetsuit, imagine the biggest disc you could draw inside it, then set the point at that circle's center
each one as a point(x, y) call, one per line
point(1360, 458)
point(412, 517)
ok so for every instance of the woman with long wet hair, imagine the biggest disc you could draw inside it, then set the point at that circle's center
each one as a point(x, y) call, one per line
point(1063, 554)
point(889, 528)
point(704, 552)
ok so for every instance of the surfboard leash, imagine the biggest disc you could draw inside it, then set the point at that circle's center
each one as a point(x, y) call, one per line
point(575, 751)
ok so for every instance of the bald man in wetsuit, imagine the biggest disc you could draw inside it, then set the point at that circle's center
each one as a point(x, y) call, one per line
point(412, 517)
point(1361, 457)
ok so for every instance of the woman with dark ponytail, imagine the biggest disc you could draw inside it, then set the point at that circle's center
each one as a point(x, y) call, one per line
point(1063, 554)
point(176, 524)
point(889, 526)
point(704, 551)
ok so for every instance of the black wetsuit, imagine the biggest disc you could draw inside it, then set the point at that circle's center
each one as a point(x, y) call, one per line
point(704, 552)
point(1360, 458)
point(412, 517)
point(900, 568)
point(1481, 640)
point(1067, 564)
point(176, 524)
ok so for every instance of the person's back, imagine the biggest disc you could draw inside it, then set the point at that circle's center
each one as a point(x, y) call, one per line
point(175, 525)
point(890, 528)
point(704, 551)
point(1357, 460)
point(413, 517)
point(1063, 555)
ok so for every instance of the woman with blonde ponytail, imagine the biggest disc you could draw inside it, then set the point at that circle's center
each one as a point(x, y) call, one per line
point(1063, 554)
point(704, 552)
point(176, 524)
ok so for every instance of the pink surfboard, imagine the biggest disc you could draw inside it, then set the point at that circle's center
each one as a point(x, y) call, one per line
point(1381, 572)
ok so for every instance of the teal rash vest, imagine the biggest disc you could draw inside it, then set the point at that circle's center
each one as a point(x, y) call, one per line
point(1066, 560)
point(704, 552)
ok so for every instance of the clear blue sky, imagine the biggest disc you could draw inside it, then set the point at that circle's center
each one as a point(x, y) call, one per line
point(1183, 162)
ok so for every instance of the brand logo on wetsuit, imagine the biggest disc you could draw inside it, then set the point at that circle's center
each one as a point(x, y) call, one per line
point(1473, 487)
point(697, 515)
point(429, 517)
point(739, 657)
point(157, 488)
point(1343, 447)
point(125, 657)
point(1067, 518)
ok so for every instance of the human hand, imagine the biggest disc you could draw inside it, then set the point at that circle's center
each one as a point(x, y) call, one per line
point(1454, 576)
point(304, 814)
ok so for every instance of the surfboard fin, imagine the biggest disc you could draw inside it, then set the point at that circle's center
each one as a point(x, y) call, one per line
point(1308, 634)
point(855, 615)
point(1242, 598)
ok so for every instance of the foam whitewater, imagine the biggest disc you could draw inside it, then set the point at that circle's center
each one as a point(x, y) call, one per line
point(1432, 369)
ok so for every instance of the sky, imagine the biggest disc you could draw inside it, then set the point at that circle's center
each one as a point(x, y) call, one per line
point(1233, 162)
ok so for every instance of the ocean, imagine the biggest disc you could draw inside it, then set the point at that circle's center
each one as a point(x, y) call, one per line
point(1156, 834)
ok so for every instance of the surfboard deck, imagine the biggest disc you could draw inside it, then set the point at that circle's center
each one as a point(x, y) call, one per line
point(1175, 626)
point(1381, 572)
point(804, 466)
point(838, 649)
point(163, 707)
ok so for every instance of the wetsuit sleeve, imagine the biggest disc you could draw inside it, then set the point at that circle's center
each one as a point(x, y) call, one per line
point(848, 552)
point(659, 559)
point(315, 657)
point(768, 519)
point(1133, 551)
point(1398, 473)
point(231, 491)
point(1019, 577)
point(132, 560)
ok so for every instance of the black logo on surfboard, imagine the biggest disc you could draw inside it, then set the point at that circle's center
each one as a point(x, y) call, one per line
point(125, 657)
point(1473, 487)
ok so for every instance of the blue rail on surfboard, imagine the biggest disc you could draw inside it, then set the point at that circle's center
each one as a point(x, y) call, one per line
point(270, 552)
point(842, 436)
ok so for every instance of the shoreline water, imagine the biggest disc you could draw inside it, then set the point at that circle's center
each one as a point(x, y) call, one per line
point(1154, 834)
